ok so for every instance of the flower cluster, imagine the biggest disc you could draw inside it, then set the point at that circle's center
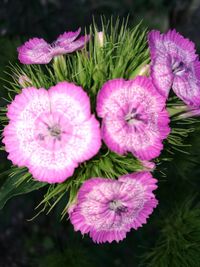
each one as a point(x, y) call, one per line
point(52, 131)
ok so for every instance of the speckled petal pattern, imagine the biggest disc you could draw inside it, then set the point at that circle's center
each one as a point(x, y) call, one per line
point(108, 209)
point(35, 51)
point(134, 117)
point(51, 132)
point(161, 74)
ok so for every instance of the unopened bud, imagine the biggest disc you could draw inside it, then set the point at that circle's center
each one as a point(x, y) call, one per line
point(144, 71)
point(24, 81)
point(100, 38)
point(148, 165)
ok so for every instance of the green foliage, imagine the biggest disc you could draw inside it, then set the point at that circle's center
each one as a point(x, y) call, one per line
point(108, 165)
point(18, 182)
point(178, 244)
point(181, 129)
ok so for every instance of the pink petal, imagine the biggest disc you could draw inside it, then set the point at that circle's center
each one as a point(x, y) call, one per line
point(34, 51)
point(172, 43)
point(188, 89)
point(105, 103)
point(30, 97)
point(70, 99)
point(69, 47)
point(67, 37)
point(155, 40)
point(76, 45)
point(161, 74)
point(177, 45)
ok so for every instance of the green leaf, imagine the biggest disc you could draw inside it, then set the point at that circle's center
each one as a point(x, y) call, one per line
point(18, 184)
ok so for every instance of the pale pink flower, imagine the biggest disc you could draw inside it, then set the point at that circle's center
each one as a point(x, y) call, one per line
point(51, 131)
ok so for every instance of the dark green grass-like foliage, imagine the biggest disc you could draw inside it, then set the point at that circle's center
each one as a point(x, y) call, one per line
point(178, 243)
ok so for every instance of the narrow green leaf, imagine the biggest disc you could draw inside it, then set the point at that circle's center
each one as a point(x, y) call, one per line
point(9, 189)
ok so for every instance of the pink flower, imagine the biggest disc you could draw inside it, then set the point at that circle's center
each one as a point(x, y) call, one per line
point(108, 209)
point(175, 65)
point(134, 117)
point(51, 132)
point(38, 51)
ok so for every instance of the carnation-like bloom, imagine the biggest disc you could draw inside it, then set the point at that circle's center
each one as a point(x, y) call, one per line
point(134, 117)
point(38, 51)
point(108, 209)
point(51, 131)
point(175, 65)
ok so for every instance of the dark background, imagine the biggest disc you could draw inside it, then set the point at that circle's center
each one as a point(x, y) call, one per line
point(46, 241)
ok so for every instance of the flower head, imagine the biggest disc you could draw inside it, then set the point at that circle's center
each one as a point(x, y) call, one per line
point(38, 51)
point(108, 209)
point(175, 65)
point(51, 132)
point(134, 117)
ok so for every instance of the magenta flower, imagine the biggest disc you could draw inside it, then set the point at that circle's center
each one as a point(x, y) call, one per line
point(38, 51)
point(134, 117)
point(108, 209)
point(51, 132)
point(175, 65)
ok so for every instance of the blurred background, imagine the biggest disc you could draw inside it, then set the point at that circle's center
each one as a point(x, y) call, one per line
point(46, 241)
